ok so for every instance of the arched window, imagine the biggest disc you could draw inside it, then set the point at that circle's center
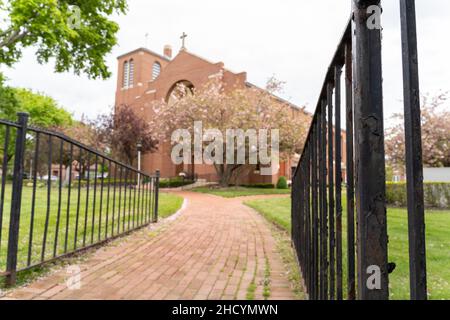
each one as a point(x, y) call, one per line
point(179, 90)
point(131, 74)
point(156, 70)
point(126, 69)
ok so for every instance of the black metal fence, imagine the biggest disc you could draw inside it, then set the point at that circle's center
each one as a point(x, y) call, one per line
point(317, 195)
point(58, 197)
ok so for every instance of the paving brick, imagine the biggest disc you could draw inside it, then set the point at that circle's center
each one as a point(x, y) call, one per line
point(203, 254)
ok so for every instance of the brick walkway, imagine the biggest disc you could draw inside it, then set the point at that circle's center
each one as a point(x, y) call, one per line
point(215, 249)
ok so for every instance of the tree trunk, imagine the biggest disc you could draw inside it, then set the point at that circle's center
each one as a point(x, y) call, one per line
point(225, 173)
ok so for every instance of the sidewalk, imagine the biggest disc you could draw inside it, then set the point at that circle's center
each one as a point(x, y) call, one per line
point(217, 249)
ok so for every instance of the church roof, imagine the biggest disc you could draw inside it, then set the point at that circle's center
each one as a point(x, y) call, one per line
point(251, 85)
point(145, 50)
point(248, 84)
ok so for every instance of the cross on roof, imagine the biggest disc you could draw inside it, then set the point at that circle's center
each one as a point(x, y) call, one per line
point(183, 40)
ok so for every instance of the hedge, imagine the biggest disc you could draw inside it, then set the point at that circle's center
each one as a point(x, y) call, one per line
point(259, 186)
point(84, 182)
point(436, 194)
point(174, 183)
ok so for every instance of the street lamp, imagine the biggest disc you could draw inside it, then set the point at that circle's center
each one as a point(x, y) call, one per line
point(139, 148)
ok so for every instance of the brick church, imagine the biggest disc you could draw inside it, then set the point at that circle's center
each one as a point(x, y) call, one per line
point(145, 76)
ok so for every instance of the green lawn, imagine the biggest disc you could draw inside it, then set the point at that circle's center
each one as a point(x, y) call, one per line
point(233, 192)
point(87, 232)
point(169, 204)
point(438, 245)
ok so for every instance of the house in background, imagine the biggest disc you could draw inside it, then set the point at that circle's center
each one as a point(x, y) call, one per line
point(436, 174)
point(56, 170)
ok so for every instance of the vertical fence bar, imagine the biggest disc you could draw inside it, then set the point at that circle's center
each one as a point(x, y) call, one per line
point(301, 180)
point(86, 208)
point(77, 219)
point(320, 206)
point(293, 192)
point(298, 217)
point(338, 180)
point(156, 196)
point(137, 195)
point(320, 213)
point(141, 198)
point(144, 200)
point(150, 203)
point(130, 187)
point(370, 156)
point(147, 199)
point(351, 282)
point(94, 202)
point(135, 216)
point(102, 185)
point(413, 141)
point(33, 198)
point(49, 190)
point(108, 198)
point(16, 200)
point(315, 223)
point(58, 217)
point(331, 189)
point(308, 216)
point(323, 190)
point(114, 200)
point(69, 192)
point(302, 207)
point(119, 201)
point(125, 192)
point(144, 203)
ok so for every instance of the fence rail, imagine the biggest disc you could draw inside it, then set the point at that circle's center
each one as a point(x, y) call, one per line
point(63, 197)
point(317, 206)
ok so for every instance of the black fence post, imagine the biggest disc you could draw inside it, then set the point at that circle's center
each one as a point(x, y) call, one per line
point(370, 155)
point(16, 200)
point(155, 213)
point(351, 282)
point(413, 142)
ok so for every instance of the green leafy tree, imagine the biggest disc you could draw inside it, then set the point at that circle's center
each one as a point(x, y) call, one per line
point(77, 34)
point(43, 110)
point(8, 101)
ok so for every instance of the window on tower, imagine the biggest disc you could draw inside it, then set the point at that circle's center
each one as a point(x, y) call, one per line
point(156, 70)
point(128, 74)
point(125, 74)
point(131, 74)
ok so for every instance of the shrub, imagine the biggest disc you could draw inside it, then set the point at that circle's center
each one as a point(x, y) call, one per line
point(174, 182)
point(282, 183)
point(436, 194)
point(260, 186)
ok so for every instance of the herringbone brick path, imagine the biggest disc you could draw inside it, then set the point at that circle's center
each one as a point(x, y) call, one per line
point(217, 249)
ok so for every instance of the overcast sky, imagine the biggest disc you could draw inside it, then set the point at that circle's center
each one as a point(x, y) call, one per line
point(291, 39)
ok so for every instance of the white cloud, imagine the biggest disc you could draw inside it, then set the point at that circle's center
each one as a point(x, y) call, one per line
point(293, 39)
